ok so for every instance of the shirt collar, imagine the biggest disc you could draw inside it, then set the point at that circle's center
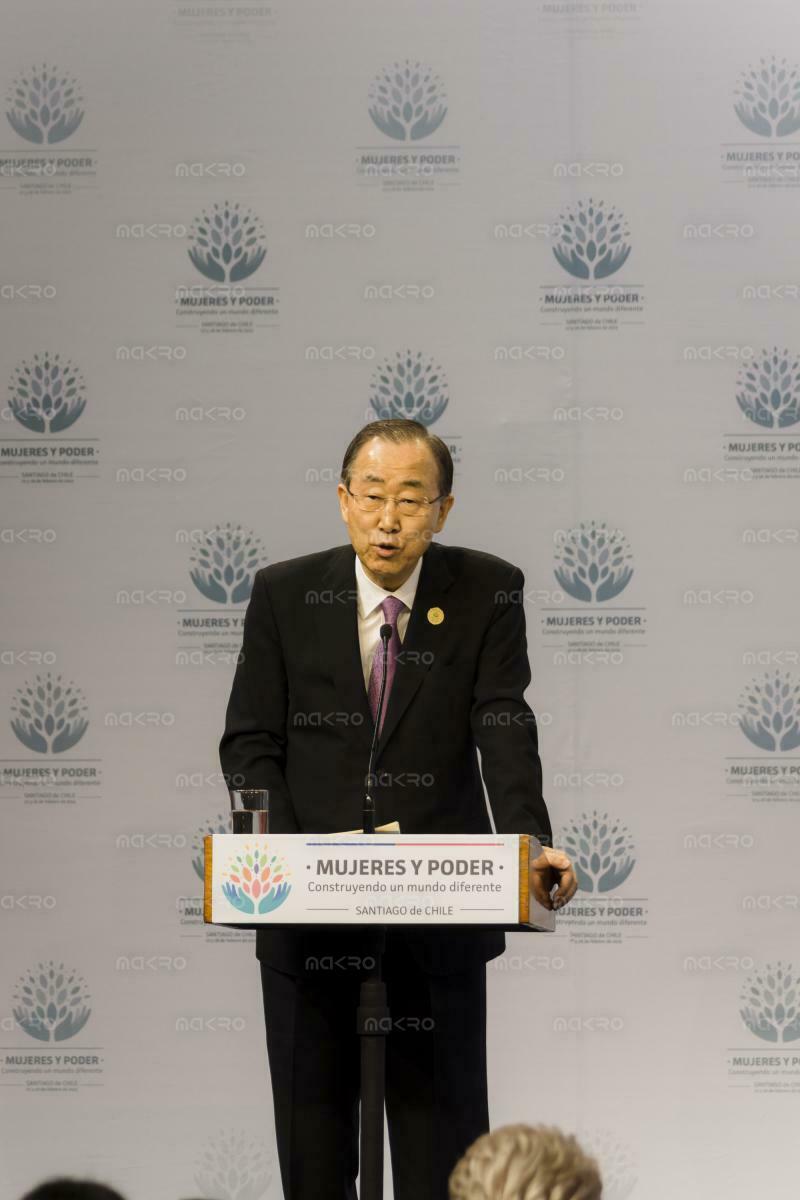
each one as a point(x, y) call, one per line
point(371, 596)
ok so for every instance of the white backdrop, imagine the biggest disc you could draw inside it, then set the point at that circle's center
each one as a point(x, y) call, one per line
point(579, 224)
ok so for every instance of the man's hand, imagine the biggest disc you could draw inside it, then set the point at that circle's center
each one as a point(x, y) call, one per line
point(550, 868)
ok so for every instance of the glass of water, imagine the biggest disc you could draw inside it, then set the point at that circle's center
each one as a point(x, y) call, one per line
point(249, 810)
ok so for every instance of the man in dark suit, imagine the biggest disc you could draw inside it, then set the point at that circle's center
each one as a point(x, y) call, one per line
point(300, 722)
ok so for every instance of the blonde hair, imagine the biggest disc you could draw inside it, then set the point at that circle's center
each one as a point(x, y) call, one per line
point(525, 1162)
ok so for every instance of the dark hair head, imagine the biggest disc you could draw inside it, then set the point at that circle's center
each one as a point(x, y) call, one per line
point(72, 1189)
point(402, 429)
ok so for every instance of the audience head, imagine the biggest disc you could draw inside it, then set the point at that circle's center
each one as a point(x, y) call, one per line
point(525, 1162)
point(72, 1189)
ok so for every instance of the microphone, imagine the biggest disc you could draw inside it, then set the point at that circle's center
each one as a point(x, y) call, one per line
point(368, 816)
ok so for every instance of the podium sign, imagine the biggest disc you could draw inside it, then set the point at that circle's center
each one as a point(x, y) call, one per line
point(377, 879)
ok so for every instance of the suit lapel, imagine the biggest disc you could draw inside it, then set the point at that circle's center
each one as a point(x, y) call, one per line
point(338, 621)
point(423, 640)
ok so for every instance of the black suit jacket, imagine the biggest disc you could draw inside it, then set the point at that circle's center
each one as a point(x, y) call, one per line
point(298, 722)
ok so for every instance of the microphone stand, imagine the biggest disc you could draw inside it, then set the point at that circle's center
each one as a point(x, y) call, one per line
point(368, 816)
point(373, 1020)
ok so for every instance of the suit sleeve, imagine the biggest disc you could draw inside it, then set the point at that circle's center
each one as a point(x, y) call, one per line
point(503, 724)
point(253, 747)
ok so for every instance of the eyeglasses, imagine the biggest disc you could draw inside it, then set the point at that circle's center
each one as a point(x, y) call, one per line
point(407, 507)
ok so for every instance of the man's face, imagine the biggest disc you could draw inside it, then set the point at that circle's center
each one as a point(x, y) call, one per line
point(388, 541)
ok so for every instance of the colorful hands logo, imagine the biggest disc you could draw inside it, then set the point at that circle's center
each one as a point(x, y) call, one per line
point(409, 386)
point(257, 881)
point(407, 101)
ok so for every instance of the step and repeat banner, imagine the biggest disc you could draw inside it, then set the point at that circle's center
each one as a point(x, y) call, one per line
point(562, 234)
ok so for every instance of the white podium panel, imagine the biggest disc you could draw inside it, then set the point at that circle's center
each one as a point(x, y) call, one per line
point(377, 879)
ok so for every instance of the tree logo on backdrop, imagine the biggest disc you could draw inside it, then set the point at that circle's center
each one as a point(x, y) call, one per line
point(601, 850)
point(255, 880)
point(770, 709)
point(407, 101)
point(768, 98)
point(593, 562)
point(409, 385)
point(771, 1003)
point(224, 564)
point(50, 1002)
point(48, 715)
point(616, 1160)
point(592, 241)
point(219, 824)
point(227, 243)
point(44, 105)
point(234, 1166)
point(47, 393)
point(768, 389)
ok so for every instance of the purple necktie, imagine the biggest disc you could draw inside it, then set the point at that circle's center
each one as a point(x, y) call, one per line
point(392, 607)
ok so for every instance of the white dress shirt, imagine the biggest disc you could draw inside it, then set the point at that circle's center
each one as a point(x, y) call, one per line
point(370, 617)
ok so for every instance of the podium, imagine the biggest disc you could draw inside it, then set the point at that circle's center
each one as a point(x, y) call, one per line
point(382, 879)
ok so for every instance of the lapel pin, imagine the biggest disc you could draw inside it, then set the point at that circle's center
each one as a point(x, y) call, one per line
point(435, 616)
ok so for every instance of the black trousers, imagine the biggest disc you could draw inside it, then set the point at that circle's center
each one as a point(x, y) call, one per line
point(436, 1090)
